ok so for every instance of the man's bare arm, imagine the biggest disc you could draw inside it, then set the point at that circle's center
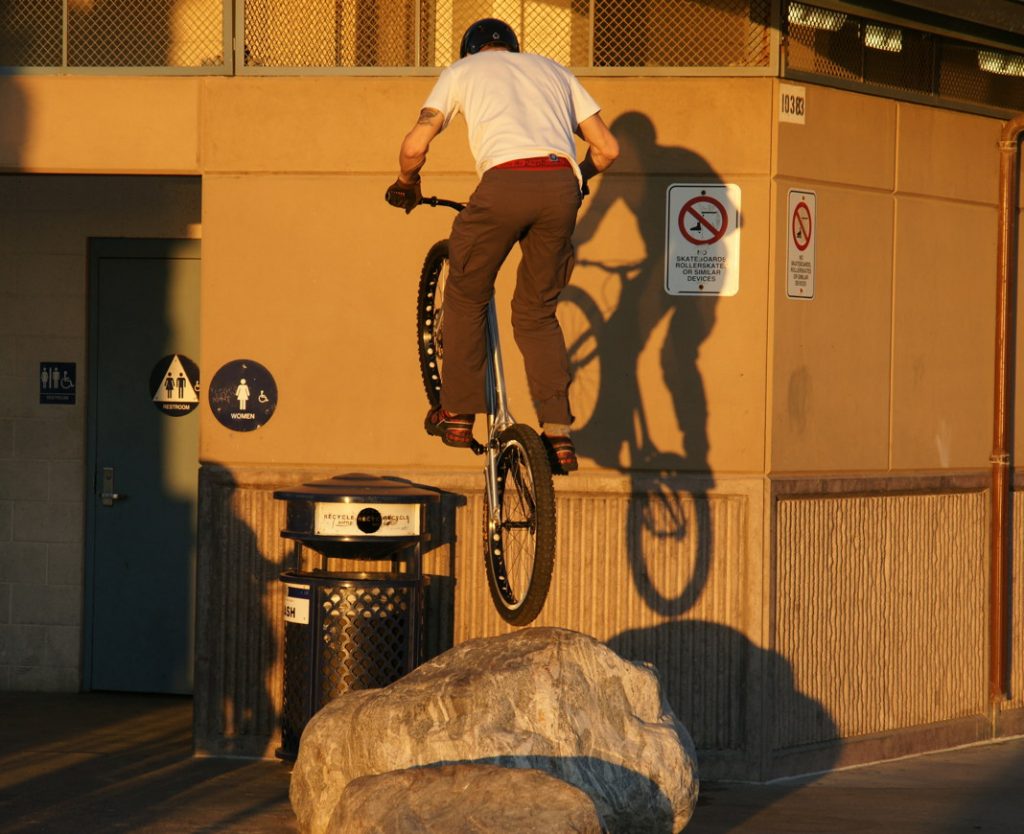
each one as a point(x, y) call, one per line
point(413, 154)
point(604, 147)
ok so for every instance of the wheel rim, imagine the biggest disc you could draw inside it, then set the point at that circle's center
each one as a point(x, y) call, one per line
point(513, 536)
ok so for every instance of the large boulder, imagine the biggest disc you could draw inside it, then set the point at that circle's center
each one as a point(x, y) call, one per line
point(463, 799)
point(540, 698)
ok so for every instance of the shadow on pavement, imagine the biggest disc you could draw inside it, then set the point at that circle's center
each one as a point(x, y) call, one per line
point(115, 762)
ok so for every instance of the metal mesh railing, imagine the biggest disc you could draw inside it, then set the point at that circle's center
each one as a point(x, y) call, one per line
point(577, 33)
point(31, 33)
point(329, 33)
point(675, 33)
point(901, 59)
point(310, 34)
point(112, 33)
point(285, 35)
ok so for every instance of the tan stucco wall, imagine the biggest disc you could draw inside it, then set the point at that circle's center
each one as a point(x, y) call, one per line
point(889, 367)
point(295, 207)
point(299, 244)
point(98, 125)
point(293, 170)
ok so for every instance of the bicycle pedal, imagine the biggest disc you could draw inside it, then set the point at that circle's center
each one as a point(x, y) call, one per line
point(478, 448)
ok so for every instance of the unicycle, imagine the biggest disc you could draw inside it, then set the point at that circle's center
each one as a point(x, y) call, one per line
point(519, 496)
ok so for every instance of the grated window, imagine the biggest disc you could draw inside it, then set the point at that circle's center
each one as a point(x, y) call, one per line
point(713, 33)
point(901, 59)
point(31, 33)
point(826, 42)
point(112, 33)
point(577, 33)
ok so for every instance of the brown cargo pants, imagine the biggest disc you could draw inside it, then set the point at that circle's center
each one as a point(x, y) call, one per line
point(537, 209)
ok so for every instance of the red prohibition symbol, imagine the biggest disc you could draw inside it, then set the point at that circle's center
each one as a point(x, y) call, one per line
point(703, 220)
point(802, 226)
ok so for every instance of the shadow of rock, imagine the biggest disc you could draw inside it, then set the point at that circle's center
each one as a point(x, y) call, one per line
point(739, 702)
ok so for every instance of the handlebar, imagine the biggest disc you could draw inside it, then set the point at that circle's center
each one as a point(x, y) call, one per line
point(439, 201)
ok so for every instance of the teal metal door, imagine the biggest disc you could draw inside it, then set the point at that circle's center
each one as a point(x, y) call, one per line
point(143, 465)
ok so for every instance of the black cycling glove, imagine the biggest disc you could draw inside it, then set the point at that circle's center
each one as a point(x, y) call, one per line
point(404, 195)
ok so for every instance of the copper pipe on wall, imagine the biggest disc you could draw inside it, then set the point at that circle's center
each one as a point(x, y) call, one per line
point(1009, 146)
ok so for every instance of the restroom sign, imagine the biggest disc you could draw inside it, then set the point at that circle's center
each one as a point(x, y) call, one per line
point(702, 239)
point(57, 383)
point(243, 395)
point(800, 251)
point(174, 385)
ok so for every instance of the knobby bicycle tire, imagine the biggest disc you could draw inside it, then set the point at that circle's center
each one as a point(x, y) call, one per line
point(430, 320)
point(519, 548)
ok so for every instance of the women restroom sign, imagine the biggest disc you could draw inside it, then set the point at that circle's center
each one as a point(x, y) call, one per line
point(702, 239)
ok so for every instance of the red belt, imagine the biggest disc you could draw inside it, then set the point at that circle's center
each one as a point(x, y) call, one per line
point(535, 162)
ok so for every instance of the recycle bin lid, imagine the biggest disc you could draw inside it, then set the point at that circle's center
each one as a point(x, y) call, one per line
point(360, 488)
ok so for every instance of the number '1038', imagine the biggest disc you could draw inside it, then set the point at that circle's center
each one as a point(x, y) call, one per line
point(793, 105)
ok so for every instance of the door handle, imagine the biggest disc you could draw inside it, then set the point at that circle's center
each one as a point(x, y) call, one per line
point(107, 495)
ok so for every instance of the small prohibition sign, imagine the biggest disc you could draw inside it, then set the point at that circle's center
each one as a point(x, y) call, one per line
point(802, 226)
point(698, 215)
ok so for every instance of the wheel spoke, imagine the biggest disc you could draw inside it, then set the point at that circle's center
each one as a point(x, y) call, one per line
point(439, 290)
point(518, 523)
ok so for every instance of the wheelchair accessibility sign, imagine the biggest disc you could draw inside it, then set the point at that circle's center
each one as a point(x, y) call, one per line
point(243, 395)
point(702, 239)
point(57, 383)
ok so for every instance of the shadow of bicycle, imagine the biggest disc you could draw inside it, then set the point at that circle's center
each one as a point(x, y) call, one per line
point(613, 317)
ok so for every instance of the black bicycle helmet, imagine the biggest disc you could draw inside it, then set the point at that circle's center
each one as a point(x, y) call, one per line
point(487, 32)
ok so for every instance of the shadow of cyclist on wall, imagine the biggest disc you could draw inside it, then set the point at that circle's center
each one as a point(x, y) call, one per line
point(617, 317)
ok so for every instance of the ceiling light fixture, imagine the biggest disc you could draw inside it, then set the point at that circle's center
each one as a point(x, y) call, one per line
point(884, 38)
point(1001, 63)
point(800, 15)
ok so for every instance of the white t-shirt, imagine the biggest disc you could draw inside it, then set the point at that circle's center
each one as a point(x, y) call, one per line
point(516, 105)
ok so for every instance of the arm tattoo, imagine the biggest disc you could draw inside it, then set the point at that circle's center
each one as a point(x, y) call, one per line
point(427, 115)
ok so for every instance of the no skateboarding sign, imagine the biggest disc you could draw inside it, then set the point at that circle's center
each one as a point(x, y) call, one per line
point(709, 218)
point(703, 239)
point(800, 251)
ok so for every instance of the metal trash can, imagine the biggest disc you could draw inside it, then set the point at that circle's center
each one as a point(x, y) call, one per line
point(348, 630)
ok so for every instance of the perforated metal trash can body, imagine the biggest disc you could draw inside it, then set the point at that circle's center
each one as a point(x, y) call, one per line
point(347, 631)
point(344, 631)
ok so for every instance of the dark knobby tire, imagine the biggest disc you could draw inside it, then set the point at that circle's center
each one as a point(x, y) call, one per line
point(430, 319)
point(519, 550)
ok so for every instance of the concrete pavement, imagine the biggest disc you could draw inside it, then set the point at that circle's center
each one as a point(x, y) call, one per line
point(112, 763)
point(964, 791)
point(103, 762)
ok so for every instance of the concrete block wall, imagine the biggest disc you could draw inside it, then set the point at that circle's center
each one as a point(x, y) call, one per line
point(45, 225)
point(42, 448)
